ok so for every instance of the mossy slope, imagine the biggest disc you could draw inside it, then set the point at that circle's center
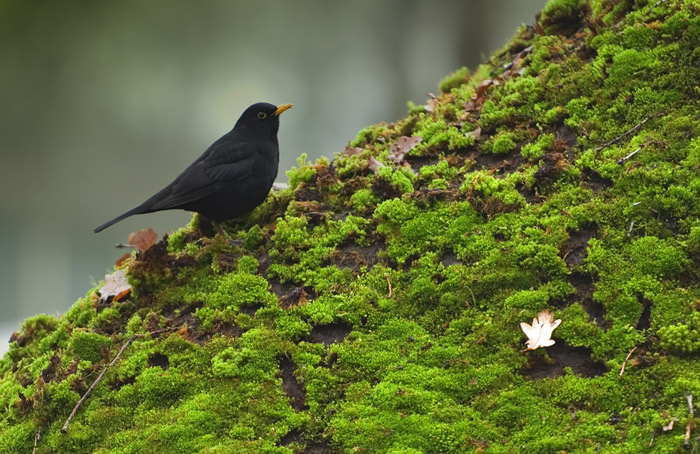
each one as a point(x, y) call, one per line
point(374, 305)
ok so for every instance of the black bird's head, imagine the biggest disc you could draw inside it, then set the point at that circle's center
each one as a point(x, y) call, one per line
point(263, 118)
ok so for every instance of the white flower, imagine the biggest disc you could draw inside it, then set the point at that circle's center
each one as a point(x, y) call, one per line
point(539, 334)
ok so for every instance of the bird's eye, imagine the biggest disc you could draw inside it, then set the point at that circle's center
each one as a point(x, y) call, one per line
point(262, 115)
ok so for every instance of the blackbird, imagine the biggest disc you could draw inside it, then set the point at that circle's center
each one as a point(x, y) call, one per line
point(231, 178)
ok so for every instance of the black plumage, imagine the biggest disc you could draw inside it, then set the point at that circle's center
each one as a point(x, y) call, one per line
point(231, 178)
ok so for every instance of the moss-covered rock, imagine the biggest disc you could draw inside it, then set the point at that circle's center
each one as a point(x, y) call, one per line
point(374, 305)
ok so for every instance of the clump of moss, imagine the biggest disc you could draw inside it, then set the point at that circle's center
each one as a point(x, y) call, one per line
point(374, 305)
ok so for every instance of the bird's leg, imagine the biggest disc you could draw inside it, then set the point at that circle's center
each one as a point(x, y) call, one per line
point(220, 229)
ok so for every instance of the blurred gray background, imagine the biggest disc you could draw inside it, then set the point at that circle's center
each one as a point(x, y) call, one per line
point(103, 103)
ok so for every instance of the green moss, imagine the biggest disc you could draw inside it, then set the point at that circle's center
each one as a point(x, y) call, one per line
point(454, 80)
point(503, 143)
point(89, 346)
point(301, 174)
point(379, 312)
point(534, 151)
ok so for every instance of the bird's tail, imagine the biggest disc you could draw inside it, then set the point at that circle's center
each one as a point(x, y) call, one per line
point(136, 210)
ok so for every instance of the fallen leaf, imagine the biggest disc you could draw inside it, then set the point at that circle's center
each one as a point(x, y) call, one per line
point(539, 334)
point(143, 239)
point(374, 164)
point(351, 151)
point(115, 288)
point(430, 103)
point(476, 133)
point(669, 426)
point(398, 149)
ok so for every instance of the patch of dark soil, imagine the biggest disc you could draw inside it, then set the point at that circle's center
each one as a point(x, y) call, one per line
point(584, 286)
point(291, 386)
point(353, 185)
point(49, 373)
point(330, 334)
point(551, 167)
point(186, 316)
point(384, 189)
point(264, 263)
point(291, 295)
point(293, 436)
point(449, 258)
point(567, 135)
point(576, 247)
point(428, 195)
point(644, 321)
point(350, 255)
point(501, 163)
point(325, 176)
point(306, 194)
point(329, 360)
point(118, 384)
point(529, 193)
point(226, 260)
point(595, 181)
point(315, 218)
point(417, 162)
point(250, 309)
point(491, 206)
point(562, 356)
point(317, 447)
point(159, 360)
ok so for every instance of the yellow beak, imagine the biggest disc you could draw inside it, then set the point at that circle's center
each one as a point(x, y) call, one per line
point(281, 109)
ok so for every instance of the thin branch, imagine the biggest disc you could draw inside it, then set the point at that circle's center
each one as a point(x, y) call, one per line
point(621, 160)
point(625, 134)
point(64, 429)
point(691, 421)
point(624, 363)
point(389, 284)
point(99, 378)
point(37, 436)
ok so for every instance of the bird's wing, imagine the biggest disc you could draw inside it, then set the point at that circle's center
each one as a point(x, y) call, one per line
point(221, 164)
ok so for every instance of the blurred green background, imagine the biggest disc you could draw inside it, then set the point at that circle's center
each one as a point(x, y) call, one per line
point(103, 103)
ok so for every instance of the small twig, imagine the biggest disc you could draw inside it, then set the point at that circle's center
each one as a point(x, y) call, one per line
point(689, 400)
point(99, 378)
point(389, 284)
point(686, 438)
point(624, 363)
point(653, 434)
point(64, 429)
point(37, 436)
point(629, 231)
point(621, 160)
point(691, 421)
point(625, 134)
point(125, 245)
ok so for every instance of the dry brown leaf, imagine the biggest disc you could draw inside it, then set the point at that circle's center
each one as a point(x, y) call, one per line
point(398, 149)
point(430, 104)
point(539, 334)
point(374, 164)
point(351, 151)
point(669, 426)
point(115, 288)
point(476, 133)
point(143, 239)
